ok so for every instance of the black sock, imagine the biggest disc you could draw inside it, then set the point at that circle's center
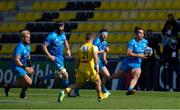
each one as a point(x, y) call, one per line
point(24, 89)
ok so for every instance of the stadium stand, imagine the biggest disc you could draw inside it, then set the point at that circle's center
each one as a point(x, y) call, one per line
point(118, 16)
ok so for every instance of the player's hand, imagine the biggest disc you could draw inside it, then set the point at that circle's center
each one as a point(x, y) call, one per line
point(142, 56)
point(29, 70)
point(97, 68)
point(52, 58)
point(101, 51)
point(105, 61)
point(32, 70)
point(68, 52)
point(107, 49)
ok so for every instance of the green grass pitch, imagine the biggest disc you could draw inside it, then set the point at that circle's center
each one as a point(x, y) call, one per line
point(46, 98)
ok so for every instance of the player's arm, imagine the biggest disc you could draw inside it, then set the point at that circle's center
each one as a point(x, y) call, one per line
point(95, 55)
point(20, 64)
point(105, 54)
point(131, 53)
point(77, 60)
point(96, 43)
point(29, 63)
point(67, 47)
point(45, 50)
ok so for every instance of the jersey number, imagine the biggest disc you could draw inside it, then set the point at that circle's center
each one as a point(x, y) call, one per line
point(85, 55)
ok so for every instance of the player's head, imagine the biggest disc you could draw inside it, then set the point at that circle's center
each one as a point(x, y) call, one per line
point(149, 33)
point(90, 37)
point(170, 16)
point(139, 33)
point(103, 34)
point(25, 36)
point(60, 27)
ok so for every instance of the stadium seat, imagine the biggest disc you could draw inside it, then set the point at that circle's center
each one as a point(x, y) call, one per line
point(133, 15)
point(28, 16)
point(4, 27)
point(7, 49)
point(168, 4)
point(155, 26)
point(177, 15)
point(131, 5)
point(124, 15)
point(33, 47)
point(159, 4)
point(143, 15)
point(117, 49)
point(77, 38)
point(122, 5)
point(108, 26)
point(176, 4)
point(11, 5)
point(7, 6)
point(140, 5)
point(104, 5)
point(74, 48)
point(97, 16)
point(48, 5)
point(149, 4)
point(116, 27)
point(66, 16)
point(98, 26)
point(115, 15)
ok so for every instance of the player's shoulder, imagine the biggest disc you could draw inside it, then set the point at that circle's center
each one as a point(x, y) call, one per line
point(63, 35)
point(144, 41)
point(96, 40)
point(133, 40)
point(52, 34)
point(20, 45)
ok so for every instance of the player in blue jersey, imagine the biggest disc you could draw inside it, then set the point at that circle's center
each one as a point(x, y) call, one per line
point(132, 63)
point(103, 48)
point(53, 47)
point(21, 65)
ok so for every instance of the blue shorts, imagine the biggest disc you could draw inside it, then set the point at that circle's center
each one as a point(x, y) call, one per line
point(59, 62)
point(127, 67)
point(101, 64)
point(19, 72)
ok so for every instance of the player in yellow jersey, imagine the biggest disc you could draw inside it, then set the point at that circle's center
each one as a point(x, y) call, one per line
point(88, 68)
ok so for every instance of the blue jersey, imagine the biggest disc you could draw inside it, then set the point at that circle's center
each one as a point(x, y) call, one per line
point(100, 44)
point(23, 51)
point(137, 47)
point(55, 44)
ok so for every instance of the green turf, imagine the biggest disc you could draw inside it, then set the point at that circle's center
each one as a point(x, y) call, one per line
point(46, 98)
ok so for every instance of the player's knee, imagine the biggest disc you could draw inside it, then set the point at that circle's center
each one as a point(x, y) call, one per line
point(29, 83)
point(65, 76)
point(62, 73)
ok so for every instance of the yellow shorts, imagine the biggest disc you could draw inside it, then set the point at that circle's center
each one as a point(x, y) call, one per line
point(81, 77)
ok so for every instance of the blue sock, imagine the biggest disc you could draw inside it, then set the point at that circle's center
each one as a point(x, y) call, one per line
point(76, 91)
point(130, 88)
point(65, 82)
point(104, 89)
point(48, 76)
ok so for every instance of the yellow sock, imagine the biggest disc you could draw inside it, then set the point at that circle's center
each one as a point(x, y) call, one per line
point(100, 94)
point(67, 90)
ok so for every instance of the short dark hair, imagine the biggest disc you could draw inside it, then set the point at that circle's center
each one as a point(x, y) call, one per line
point(170, 14)
point(149, 30)
point(89, 36)
point(58, 23)
point(137, 28)
point(103, 30)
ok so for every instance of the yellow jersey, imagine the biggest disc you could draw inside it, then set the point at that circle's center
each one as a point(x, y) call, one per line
point(86, 58)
